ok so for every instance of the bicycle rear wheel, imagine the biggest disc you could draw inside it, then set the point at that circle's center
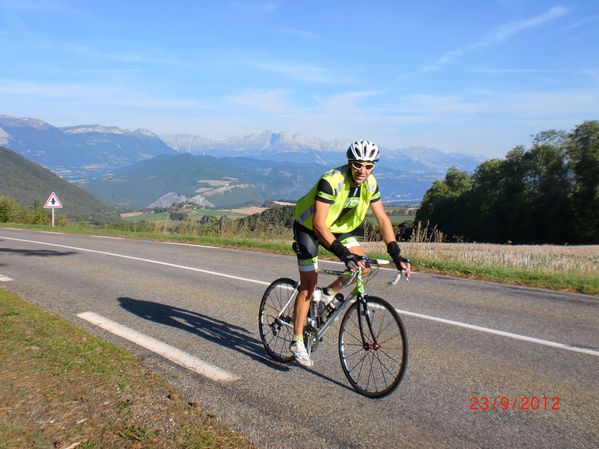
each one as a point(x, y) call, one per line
point(373, 348)
point(276, 318)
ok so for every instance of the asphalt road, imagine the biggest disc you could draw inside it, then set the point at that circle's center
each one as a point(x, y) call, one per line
point(469, 341)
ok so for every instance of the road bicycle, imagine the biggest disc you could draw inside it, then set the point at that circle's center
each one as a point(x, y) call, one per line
point(373, 347)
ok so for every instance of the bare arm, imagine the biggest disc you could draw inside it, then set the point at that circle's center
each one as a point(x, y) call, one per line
point(321, 212)
point(384, 222)
point(387, 232)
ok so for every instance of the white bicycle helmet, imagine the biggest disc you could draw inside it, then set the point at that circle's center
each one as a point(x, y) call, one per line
point(363, 150)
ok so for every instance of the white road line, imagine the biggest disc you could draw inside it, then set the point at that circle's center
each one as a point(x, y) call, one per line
point(4, 278)
point(51, 232)
point(487, 330)
point(405, 312)
point(106, 237)
point(141, 259)
point(191, 244)
point(169, 352)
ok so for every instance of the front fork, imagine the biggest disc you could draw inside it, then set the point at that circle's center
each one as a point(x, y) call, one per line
point(365, 325)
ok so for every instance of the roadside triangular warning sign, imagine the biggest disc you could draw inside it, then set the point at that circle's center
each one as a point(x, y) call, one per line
point(52, 202)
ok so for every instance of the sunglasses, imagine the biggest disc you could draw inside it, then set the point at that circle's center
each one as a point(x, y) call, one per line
point(365, 165)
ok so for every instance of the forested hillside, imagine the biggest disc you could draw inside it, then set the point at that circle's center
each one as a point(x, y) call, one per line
point(548, 193)
point(28, 183)
point(206, 180)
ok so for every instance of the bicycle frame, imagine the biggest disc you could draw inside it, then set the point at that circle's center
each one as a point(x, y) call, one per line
point(357, 294)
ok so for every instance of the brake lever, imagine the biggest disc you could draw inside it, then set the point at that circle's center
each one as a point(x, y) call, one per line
point(398, 276)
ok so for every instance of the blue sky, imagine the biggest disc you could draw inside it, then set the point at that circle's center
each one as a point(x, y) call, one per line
point(462, 76)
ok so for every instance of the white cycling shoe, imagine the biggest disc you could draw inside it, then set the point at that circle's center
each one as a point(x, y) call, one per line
point(301, 354)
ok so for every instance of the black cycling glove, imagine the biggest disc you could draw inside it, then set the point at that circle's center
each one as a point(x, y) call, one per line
point(351, 261)
point(345, 255)
point(394, 251)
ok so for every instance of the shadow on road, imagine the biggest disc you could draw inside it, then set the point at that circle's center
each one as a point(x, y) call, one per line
point(36, 252)
point(204, 326)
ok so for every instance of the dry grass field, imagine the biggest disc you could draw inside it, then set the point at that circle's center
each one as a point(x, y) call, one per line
point(248, 210)
point(580, 260)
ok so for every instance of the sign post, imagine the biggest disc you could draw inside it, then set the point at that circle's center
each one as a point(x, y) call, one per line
point(53, 203)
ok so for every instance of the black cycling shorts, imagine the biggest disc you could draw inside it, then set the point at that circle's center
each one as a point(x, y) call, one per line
point(306, 245)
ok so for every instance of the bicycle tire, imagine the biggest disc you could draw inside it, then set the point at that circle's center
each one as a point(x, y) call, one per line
point(373, 372)
point(276, 337)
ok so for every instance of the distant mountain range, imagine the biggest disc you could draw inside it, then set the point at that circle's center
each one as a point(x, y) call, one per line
point(139, 168)
point(285, 146)
point(27, 182)
point(78, 151)
point(267, 140)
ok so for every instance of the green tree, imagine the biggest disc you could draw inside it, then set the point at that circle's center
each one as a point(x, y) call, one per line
point(458, 181)
point(8, 208)
point(583, 153)
point(38, 215)
point(550, 189)
point(482, 220)
point(546, 194)
point(514, 204)
point(443, 203)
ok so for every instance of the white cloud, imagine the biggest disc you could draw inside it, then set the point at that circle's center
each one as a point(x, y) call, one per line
point(256, 7)
point(508, 30)
point(35, 6)
point(260, 100)
point(90, 95)
point(435, 105)
point(31, 89)
point(123, 56)
point(535, 105)
point(498, 36)
point(582, 22)
point(510, 104)
point(301, 33)
point(298, 71)
point(508, 71)
point(592, 73)
point(573, 77)
point(347, 102)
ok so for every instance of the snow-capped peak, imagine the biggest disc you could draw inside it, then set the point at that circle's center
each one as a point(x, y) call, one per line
point(145, 132)
point(265, 141)
point(81, 129)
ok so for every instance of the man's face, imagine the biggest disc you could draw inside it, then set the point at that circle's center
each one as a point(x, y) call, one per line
point(360, 170)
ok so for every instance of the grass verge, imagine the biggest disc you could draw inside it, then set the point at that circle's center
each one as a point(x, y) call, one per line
point(556, 281)
point(61, 387)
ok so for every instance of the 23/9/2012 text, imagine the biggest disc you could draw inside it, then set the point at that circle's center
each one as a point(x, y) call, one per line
point(521, 403)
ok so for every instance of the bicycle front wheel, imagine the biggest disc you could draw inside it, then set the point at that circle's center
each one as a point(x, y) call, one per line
point(276, 318)
point(373, 347)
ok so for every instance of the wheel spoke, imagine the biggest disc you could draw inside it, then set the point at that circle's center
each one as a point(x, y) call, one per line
point(272, 316)
point(373, 369)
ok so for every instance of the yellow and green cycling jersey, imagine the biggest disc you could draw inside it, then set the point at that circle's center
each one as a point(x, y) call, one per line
point(349, 201)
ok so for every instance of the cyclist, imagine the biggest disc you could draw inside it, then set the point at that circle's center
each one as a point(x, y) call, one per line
point(329, 214)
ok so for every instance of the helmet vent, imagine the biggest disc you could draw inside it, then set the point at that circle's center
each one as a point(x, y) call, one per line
point(363, 150)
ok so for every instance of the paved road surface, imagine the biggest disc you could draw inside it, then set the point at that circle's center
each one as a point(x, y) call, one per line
point(469, 341)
